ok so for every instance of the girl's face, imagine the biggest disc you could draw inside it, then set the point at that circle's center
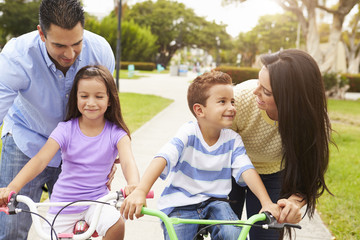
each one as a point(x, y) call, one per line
point(220, 110)
point(92, 98)
point(264, 97)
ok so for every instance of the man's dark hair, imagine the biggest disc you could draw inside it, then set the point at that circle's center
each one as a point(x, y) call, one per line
point(63, 13)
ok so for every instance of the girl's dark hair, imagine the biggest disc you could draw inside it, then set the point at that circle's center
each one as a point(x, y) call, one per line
point(113, 112)
point(63, 13)
point(304, 125)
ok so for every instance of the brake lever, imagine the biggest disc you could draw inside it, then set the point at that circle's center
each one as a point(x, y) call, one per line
point(272, 223)
point(12, 203)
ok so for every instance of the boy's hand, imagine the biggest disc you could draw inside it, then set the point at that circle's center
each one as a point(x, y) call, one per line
point(4, 195)
point(290, 211)
point(273, 208)
point(133, 204)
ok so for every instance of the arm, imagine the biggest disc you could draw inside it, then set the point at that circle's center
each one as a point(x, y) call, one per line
point(128, 165)
point(137, 199)
point(254, 182)
point(33, 168)
point(290, 208)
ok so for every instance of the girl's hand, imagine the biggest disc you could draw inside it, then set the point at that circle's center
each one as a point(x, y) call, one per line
point(4, 196)
point(273, 208)
point(129, 189)
point(133, 204)
point(290, 211)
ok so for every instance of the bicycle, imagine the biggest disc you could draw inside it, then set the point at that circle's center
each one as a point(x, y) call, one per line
point(118, 197)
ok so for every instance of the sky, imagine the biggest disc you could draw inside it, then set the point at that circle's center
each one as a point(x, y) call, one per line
point(240, 17)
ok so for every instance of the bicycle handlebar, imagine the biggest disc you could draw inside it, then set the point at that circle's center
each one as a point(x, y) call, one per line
point(14, 199)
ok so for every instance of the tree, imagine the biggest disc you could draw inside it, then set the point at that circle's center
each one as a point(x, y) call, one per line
point(276, 32)
point(305, 10)
point(19, 16)
point(137, 43)
point(352, 42)
point(176, 27)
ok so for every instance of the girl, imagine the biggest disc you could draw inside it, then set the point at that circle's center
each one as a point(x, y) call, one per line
point(90, 139)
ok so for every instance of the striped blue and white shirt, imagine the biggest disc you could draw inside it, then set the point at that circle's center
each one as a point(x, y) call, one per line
point(197, 171)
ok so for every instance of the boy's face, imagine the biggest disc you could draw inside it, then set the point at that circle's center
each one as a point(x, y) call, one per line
point(63, 45)
point(220, 111)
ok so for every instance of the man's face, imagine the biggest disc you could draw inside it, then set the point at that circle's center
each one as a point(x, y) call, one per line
point(63, 45)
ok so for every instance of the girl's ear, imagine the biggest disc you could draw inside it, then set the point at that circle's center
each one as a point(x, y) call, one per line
point(198, 110)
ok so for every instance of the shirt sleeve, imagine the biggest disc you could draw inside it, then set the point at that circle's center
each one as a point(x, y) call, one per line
point(12, 79)
point(173, 150)
point(59, 135)
point(240, 161)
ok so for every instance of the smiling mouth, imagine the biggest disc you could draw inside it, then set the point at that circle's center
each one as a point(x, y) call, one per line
point(259, 101)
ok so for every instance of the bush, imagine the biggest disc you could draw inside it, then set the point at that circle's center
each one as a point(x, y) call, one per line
point(354, 82)
point(239, 74)
point(335, 85)
point(146, 66)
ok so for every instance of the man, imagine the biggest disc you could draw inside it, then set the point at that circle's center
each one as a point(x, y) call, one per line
point(36, 74)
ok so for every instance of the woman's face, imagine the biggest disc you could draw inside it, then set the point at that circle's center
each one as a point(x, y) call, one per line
point(264, 97)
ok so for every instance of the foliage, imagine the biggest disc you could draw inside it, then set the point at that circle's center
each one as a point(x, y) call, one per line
point(247, 45)
point(332, 79)
point(354, 82)
point(276, 32)
point(239, 74)
point(19, 16)
point(137, 43)
point(176, 27)
point(146, 66)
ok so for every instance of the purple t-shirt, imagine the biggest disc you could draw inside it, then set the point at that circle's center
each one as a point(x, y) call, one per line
point(86, 163)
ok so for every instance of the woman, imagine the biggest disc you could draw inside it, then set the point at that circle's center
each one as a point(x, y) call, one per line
point(283, 121)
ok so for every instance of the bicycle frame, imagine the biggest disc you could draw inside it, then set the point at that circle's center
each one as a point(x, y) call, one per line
point(169, 222)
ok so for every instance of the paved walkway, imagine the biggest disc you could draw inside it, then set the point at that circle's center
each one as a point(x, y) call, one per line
point(149, 138)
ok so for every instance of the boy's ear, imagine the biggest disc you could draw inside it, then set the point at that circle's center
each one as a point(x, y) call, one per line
point(198, 110)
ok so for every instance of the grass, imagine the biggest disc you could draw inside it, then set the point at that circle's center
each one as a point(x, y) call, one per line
point(345, 111)
point(138, 108)
point(341, 211)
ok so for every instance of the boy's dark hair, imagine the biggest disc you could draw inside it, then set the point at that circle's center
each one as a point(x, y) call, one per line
point(63, 13)
point(113, 112)
point(198, 89)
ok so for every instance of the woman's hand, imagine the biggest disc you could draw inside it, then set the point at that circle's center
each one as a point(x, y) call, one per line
point(290, 211)
point(133, 204)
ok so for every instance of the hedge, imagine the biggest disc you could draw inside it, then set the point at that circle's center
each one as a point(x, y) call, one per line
point(354, 82)
point(239, 74)
point(147, 66)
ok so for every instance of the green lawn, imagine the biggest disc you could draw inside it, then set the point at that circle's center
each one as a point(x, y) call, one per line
point(341, 211)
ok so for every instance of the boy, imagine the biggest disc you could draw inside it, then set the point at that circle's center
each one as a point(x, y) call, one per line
point(200, 161)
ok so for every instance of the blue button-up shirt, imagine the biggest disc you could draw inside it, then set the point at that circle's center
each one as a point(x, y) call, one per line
point(34, 94)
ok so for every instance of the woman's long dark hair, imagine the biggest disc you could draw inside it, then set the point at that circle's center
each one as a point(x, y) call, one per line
point(113, 112)
point(304, 125)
